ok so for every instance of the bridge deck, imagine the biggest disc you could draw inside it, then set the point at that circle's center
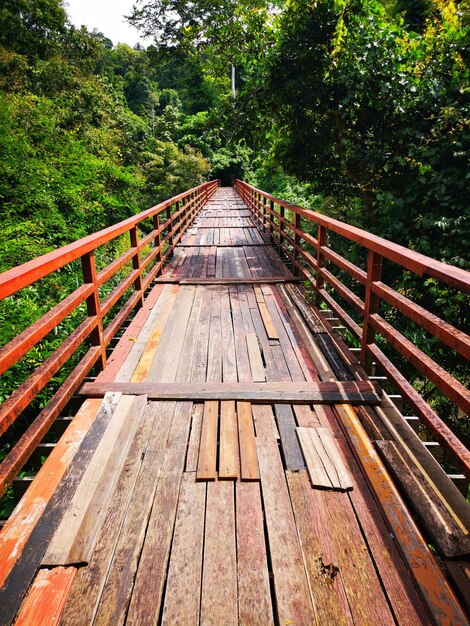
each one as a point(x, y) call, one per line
point(217, 511)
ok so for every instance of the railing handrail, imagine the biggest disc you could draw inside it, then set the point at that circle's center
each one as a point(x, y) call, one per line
point(21, 276)
point(288, 234)
point(409, 259)
point(106, 311)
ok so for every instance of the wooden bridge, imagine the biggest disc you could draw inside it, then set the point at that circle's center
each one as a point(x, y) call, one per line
point(227, 458)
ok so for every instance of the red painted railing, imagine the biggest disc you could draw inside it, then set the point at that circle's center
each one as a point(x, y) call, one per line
point(147, 254)
point(283, 221)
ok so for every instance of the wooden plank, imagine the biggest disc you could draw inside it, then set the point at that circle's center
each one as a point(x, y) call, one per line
point(126, 342)
point(219, 581)
point(343, 479)
point(26, 561)
point(190, 340)
point(214, 362)
point(265, 424)
point(46, 598)
point(302, 392)
point(318, 473)
point(306, 416)
point(229, 454)
point(248, 457)
point(254, 597)
point(88, 584)
point(229, 362)
point(194, 438)
point(293, 601)
point(183, 588)
point(144, 343)
point(349, 562)
point(397, 581)
point(289, 441)
point(153, 557)
point(241, 350)
point(446, 491)
point(254, 355)
point(142, 368)
point(200, 359)
point(434, 588)
point(19, 526)
point(271, 330)
point(285, 315)
point(207, 461)
point(220, 280)
point(167, 356)
point(320, 552)
point(75, 537)
point(314, 322)
point(324, 463)
point(448, 535)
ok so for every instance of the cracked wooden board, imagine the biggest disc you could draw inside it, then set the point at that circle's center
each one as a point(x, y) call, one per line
point(325, 466)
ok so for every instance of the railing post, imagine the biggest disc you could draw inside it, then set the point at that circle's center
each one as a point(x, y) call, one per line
point(170, 226)
point(261, 201)
point(321, 241)
point(134, 236)
point(158, 242)
point(281, 227)
point(93, 306)
point(371, 304)
point(271, 219)
point(296, 241)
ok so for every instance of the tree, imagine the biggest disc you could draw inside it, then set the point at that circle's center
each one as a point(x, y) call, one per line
point(32, 27)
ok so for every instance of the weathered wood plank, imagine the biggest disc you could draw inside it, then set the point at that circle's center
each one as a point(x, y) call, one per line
point(229, 453)
point(220, 280)
point(352, 392)
point(150, 577)
point(265, 424)
point(139, 359)
point(397, 581)
point(254, 355)
point(219, 582)
point(74, 539)
point(448, 535)
point(46, 598)
point(241, 350)
point(289, 441)
point(115, 595)
point(167, 356)
point(207, 461)
point(229, 362)
point(20, 525)
point(316, 470)
point(89, 582)
point(254, 597)
point(350, 563)
point(248, 457)
point(194, 438)
point(183, 588)
point(445, 489)
point(305, 416)
point(26, 562)
point(320, 553)
point(293, 601)
point(325, 466)
point(434, 588)
point(271, 330)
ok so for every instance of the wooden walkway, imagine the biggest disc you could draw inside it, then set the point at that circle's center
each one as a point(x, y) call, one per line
point(218, 510)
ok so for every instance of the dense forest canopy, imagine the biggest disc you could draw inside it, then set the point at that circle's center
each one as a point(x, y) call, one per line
point(357, 108)
point(359, 102)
